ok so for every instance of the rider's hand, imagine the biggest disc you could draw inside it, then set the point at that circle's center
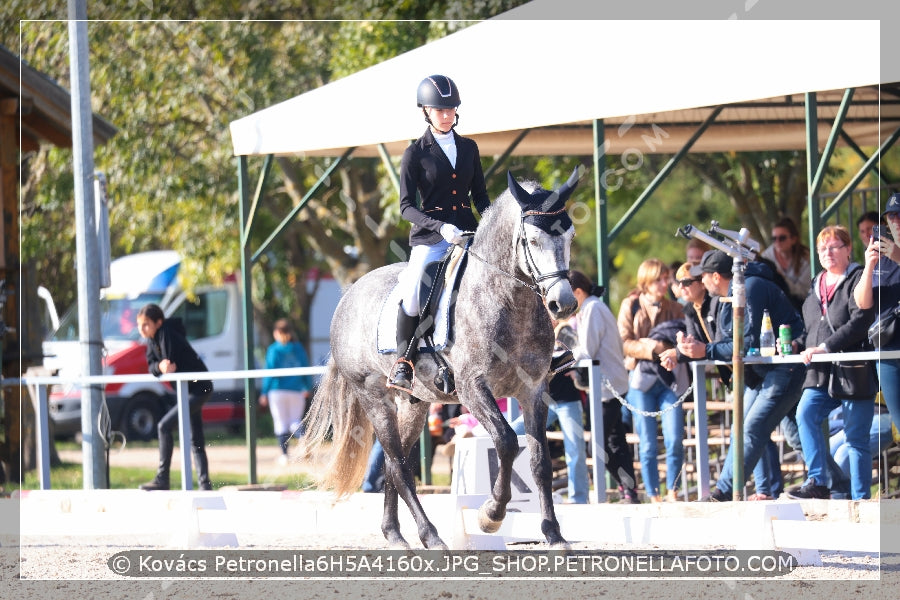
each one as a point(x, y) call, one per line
point(452, 234)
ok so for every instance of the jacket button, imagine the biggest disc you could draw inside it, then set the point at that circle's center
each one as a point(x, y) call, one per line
point(453, 192)
point(453, 176)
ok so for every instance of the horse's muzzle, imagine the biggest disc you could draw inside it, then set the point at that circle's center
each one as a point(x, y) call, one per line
point(560, 300)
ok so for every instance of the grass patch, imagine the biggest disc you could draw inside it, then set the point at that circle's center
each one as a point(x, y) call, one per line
point(68, 476)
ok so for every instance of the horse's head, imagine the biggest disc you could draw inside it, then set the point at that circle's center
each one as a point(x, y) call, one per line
point(545, 238)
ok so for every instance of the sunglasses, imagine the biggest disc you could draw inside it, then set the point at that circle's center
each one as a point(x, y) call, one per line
point(688, 282)
point(780, 238)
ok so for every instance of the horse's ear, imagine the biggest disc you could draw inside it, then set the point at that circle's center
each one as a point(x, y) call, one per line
point(569, 186)
point(518, 192)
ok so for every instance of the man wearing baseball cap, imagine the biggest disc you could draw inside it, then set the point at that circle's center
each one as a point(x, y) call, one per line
point(880, 285)
point(772, 391)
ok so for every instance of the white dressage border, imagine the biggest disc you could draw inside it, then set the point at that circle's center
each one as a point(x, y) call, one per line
point(179, 519)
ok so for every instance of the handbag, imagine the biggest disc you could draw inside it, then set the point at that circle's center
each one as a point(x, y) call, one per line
point(884, 330)
point(853, 379)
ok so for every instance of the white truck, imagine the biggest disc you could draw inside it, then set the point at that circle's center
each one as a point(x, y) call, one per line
point(213, 321)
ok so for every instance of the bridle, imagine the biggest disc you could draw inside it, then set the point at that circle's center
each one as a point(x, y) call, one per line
point(533, 271)
point(536, 276)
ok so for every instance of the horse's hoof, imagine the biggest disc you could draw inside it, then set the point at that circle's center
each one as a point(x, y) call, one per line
point(486, 523)
point(397, 542)
point(435, 544)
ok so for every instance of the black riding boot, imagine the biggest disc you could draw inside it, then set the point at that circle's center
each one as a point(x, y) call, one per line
point(202, 464)
point(161, 481)
point(402, 373)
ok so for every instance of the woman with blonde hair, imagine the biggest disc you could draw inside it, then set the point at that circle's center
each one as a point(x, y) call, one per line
point(650, 387)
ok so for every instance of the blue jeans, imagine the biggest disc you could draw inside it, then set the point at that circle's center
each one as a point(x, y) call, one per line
point(815, 405)
point(880, 437)
point(889, 378)
point(764, 407)
point(657, 398)
point(374, 479)
point(570, 417)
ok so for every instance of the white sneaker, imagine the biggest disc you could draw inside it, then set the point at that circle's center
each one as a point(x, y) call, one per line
point(282, 460)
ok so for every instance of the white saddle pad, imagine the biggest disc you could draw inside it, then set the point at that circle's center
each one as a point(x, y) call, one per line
point(386, 336)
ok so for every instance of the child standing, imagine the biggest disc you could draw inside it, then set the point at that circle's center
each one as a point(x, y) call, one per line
point(285, 396)
point(169, 351)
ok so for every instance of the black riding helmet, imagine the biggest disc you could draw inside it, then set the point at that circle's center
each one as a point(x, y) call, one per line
point(437, 91)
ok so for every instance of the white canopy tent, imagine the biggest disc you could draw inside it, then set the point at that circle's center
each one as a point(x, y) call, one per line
point(567, 72)
point(651, 85)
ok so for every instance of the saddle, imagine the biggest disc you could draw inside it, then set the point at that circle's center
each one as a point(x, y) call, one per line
point(437, 299)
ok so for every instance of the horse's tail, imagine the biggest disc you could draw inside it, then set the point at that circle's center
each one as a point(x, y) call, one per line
point(334, 413)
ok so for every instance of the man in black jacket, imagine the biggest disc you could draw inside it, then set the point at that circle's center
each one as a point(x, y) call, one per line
point(169, 351)
point(772, 390)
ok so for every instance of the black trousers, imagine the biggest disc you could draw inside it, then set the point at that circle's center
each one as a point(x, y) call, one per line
point(198, 440)
point(619, 457)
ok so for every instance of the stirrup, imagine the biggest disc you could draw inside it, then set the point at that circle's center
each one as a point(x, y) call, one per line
point(394, 381)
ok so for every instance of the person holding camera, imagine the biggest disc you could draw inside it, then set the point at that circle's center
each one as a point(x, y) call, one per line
point(881, 276)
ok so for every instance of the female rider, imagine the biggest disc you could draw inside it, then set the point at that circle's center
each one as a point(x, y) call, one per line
point(444, 168)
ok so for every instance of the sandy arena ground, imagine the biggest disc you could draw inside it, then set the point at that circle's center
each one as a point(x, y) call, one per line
point(45, 563)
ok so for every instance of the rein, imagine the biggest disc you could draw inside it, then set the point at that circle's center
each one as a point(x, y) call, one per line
point(529, 261)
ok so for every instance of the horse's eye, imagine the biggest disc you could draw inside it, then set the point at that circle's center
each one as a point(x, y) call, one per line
point(534, 242)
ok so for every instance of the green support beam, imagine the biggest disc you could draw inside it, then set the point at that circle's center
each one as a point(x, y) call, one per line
point(661, 176)
point(389, 165)
point(290, 217)
point(860, 175)
point(502, 158)
point(260, 186)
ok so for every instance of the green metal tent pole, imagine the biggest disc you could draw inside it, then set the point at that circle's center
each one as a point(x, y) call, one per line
point(600, 206)
point(812, 161)
point(247, 309)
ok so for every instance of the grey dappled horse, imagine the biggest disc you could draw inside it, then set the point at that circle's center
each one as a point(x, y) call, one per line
point(516, 273)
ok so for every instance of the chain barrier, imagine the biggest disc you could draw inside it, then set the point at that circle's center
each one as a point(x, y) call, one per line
point(645, 413)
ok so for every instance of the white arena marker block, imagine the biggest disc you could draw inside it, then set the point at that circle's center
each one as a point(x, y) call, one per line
point(475, 466)
point(758, 532)
point(197, 525)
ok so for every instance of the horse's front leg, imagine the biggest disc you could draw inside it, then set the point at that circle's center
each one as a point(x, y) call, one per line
point(534, 412)
point(506, 442)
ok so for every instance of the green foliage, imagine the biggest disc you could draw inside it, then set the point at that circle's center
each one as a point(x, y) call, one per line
point(172, 84)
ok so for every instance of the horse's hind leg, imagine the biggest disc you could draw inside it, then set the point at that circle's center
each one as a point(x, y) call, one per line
point(411, 421)
point(390, 523)
point(398, 478)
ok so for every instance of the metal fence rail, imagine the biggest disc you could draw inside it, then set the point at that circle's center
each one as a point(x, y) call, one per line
point(42, 384)
point(179, 380)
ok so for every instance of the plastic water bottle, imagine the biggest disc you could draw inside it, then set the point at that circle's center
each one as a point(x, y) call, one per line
point(767, 336)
